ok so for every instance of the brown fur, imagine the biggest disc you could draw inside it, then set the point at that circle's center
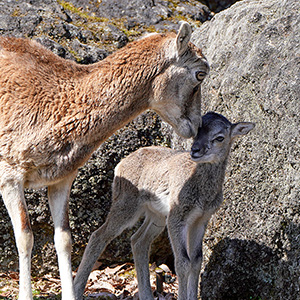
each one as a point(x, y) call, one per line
point(167, 187)
point(54, 113)
point(54, 101)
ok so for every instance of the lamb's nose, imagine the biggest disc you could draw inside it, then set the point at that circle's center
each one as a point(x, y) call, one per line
point(196, 151)
point(195, 148)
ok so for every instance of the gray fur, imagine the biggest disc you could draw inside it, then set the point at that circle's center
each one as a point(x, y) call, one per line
point(168, 187)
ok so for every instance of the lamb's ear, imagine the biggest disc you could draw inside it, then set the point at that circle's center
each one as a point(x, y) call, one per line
point(241, 128)
point(183, 37)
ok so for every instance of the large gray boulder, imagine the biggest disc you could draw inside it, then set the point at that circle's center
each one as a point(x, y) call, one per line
point(252, 245)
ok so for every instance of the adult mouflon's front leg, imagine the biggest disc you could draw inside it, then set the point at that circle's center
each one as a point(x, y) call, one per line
point(59, 205)
point(13, 196)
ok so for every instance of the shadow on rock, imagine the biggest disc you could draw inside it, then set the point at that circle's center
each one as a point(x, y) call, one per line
point(235, 270)
point(242, 270)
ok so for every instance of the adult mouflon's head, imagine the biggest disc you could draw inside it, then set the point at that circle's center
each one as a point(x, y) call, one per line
point(176, 93)
point(215, 136)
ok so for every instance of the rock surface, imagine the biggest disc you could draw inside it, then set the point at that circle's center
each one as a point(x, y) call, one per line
point(87, 31)
point(218, 5)
point(252, 246)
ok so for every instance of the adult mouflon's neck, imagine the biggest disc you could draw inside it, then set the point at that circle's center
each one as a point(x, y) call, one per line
point(84, 105)
point(117, 89)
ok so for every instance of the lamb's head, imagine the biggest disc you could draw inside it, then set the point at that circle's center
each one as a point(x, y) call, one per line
point(176, 92)
point(215, 136)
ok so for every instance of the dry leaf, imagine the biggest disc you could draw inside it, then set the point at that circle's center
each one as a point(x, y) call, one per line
point(103, 286)
point(165, 268)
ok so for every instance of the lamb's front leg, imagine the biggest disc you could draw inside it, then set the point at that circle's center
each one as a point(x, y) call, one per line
point(59, 204)
point(182, 261)
point(186, 239)
point(195, 233)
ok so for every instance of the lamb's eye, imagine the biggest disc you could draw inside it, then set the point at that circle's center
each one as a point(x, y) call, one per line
point(219, 139)
point(200, 75)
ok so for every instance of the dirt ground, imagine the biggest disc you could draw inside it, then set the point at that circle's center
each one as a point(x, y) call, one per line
point(115, 282)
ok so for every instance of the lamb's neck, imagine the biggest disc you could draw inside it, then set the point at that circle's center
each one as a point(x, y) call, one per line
point(215, 172)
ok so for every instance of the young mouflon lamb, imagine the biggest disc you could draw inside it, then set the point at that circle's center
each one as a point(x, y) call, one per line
point(170, 187)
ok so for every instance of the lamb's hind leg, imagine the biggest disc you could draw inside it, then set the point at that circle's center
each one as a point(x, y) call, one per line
point(140, 242)
point(123, 214)
point(13, 197)
point(59, 205)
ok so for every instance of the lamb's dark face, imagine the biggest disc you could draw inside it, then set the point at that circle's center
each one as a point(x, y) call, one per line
point(212, 142)
point(214, 138)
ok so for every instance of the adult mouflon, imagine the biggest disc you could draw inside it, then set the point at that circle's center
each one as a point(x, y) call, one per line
point(54, 113)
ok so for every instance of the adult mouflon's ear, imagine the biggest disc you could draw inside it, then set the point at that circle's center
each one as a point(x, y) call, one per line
point(183, 37)
point(241, 128)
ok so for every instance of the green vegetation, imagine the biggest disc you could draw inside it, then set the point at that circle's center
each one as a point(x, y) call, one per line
point(85, 15)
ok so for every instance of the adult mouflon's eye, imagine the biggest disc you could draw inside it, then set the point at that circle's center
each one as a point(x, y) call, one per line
point(219, 139)
point(200, 75)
